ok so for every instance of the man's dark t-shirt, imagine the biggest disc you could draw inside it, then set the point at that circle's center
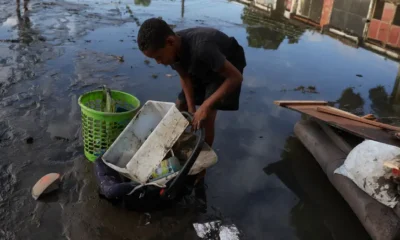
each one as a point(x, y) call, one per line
point(203, 53)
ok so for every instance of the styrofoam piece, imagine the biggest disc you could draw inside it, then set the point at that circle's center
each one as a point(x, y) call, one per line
point(215, 230)
point(146, 140)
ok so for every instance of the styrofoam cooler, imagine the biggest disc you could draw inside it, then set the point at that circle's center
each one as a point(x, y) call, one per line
point(146, 140)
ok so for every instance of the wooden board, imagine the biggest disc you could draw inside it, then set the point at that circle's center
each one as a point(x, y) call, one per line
point(357, 128)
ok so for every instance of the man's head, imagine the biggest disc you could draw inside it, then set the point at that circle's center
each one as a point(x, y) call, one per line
point(157, 40)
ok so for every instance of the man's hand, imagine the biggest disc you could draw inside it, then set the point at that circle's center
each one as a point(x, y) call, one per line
point(200, 115)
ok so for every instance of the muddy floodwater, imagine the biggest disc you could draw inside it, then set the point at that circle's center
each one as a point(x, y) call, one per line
point(265, 183)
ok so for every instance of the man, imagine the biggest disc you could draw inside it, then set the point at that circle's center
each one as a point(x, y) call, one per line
point(210, 65)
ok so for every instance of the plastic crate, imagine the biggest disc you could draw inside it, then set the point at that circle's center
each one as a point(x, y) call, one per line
point(146, 140)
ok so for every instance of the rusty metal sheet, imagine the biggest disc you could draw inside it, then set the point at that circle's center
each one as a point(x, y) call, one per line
point(359, 129)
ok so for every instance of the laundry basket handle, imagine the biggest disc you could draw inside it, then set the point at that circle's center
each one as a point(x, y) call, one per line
point(179, 181)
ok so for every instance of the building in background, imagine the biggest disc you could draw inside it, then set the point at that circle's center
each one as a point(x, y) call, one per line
point(384, 27)
point(314, 12)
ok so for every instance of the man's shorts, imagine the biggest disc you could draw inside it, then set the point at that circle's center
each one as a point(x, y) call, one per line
point(203, 91)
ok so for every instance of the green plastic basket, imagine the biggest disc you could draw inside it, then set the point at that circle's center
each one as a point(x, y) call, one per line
point(100, 129)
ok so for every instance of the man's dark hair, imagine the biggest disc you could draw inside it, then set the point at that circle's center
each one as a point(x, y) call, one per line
point(153, 33)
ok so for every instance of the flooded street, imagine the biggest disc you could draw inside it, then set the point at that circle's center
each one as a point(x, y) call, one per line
point(266, 182)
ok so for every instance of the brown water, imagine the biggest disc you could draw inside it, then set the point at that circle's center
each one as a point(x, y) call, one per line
point(265, 183)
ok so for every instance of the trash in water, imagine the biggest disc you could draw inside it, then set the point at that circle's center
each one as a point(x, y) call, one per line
point(119, 58)
point(46, 184)
point(309, 89)
point(213, 229)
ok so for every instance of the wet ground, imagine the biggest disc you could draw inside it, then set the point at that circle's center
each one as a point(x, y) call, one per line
point(266, 183)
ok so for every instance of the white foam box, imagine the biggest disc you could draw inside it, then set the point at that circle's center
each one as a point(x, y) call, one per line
point(146, 140)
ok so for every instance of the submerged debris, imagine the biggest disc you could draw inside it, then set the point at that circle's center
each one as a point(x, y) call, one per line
point(359, 75)
point(61, 138)
point(309, 89)
point(146, 61)
point(154, 75)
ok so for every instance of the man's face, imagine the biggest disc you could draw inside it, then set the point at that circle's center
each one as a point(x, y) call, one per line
point(165, 55)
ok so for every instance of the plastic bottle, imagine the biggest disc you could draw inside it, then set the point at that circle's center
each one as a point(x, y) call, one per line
point(166, 167)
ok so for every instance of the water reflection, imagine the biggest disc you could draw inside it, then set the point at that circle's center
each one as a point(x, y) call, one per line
point(268, 32)
point(351, 101)
point(380, 102)
point(24, 23)
point(313, 217)
point(385, 105)
point(144, 3)
point(182, 8)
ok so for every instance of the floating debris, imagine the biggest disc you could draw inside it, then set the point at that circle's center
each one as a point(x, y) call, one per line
point(119, 58)
point(88, 41)
point(154, 76)
point(299, 88)
point(309, 89)
point(146, 61)
point(168, 75)
point(48, 183)
point(359, 75)
point(10, 40)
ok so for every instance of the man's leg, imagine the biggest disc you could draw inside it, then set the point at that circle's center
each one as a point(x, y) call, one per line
point(209, 125)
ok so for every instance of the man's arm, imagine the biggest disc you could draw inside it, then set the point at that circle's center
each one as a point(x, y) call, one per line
point(210, 55)
point(233, 79)
point(187, 87)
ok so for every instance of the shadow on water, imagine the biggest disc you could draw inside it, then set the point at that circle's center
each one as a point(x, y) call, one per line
point(321, 213)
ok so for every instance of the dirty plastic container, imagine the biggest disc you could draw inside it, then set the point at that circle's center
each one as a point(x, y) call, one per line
point(100, 129)
point(146, 140)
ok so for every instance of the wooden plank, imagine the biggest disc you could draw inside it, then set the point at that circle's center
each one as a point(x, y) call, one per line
point(357, 128)
point(338, 112)
point(289, 102)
